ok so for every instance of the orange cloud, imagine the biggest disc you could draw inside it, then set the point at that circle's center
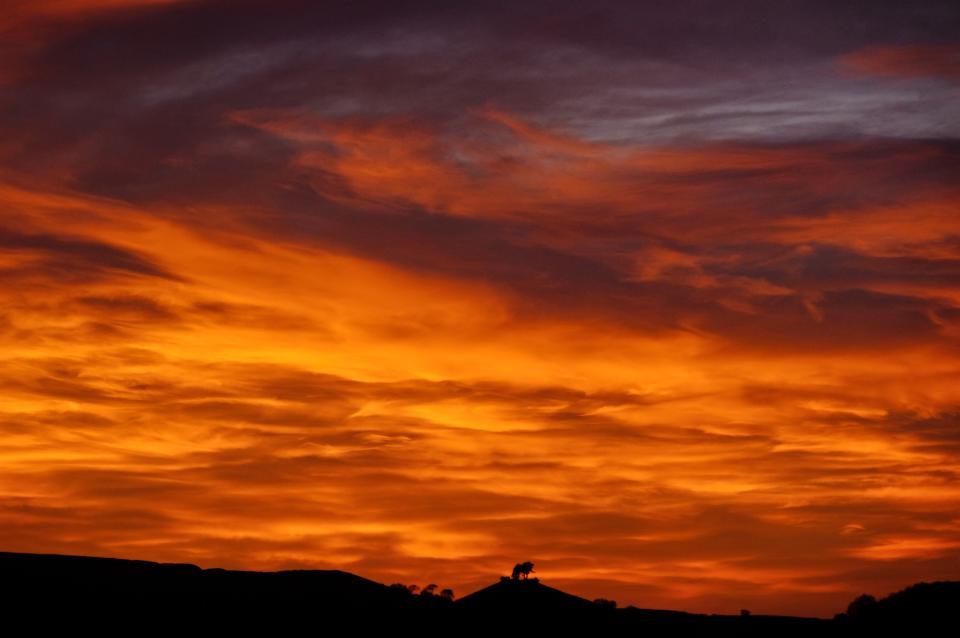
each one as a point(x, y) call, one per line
point(22, 11)
point(914, 60)
point(423, 341)
point(254, 404)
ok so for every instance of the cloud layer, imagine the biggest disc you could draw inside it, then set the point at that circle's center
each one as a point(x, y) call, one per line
point(666, 303)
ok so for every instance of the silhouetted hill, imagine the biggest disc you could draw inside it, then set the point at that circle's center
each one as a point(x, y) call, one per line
point(50, 588)
point(528, 595)
point(54, 574)
point(537, 604)
point(134, 597)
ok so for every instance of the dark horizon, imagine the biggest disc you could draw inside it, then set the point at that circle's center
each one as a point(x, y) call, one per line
point(107, 577)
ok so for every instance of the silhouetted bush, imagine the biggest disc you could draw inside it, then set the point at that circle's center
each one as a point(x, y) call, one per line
point(923, 605)
point(522, 571)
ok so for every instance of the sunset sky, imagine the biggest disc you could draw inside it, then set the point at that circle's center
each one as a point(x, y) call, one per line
point(663, 296)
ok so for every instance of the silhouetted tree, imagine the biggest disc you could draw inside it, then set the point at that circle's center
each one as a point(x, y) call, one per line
point(744, 612)
point(605, 602)
point(413, 588)
point(861, 606)
point(447, 593)
point(428, 590)
point(401, 587)
point(522, 570)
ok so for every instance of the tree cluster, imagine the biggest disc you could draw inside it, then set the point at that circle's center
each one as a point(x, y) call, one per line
point(429, 590)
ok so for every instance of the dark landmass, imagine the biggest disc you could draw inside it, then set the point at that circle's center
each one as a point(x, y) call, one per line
point(50, 591)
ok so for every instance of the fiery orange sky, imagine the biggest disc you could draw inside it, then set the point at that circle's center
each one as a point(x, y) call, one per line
point(665, 302)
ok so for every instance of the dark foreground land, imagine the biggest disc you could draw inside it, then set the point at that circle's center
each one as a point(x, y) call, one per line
point(130, 597)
